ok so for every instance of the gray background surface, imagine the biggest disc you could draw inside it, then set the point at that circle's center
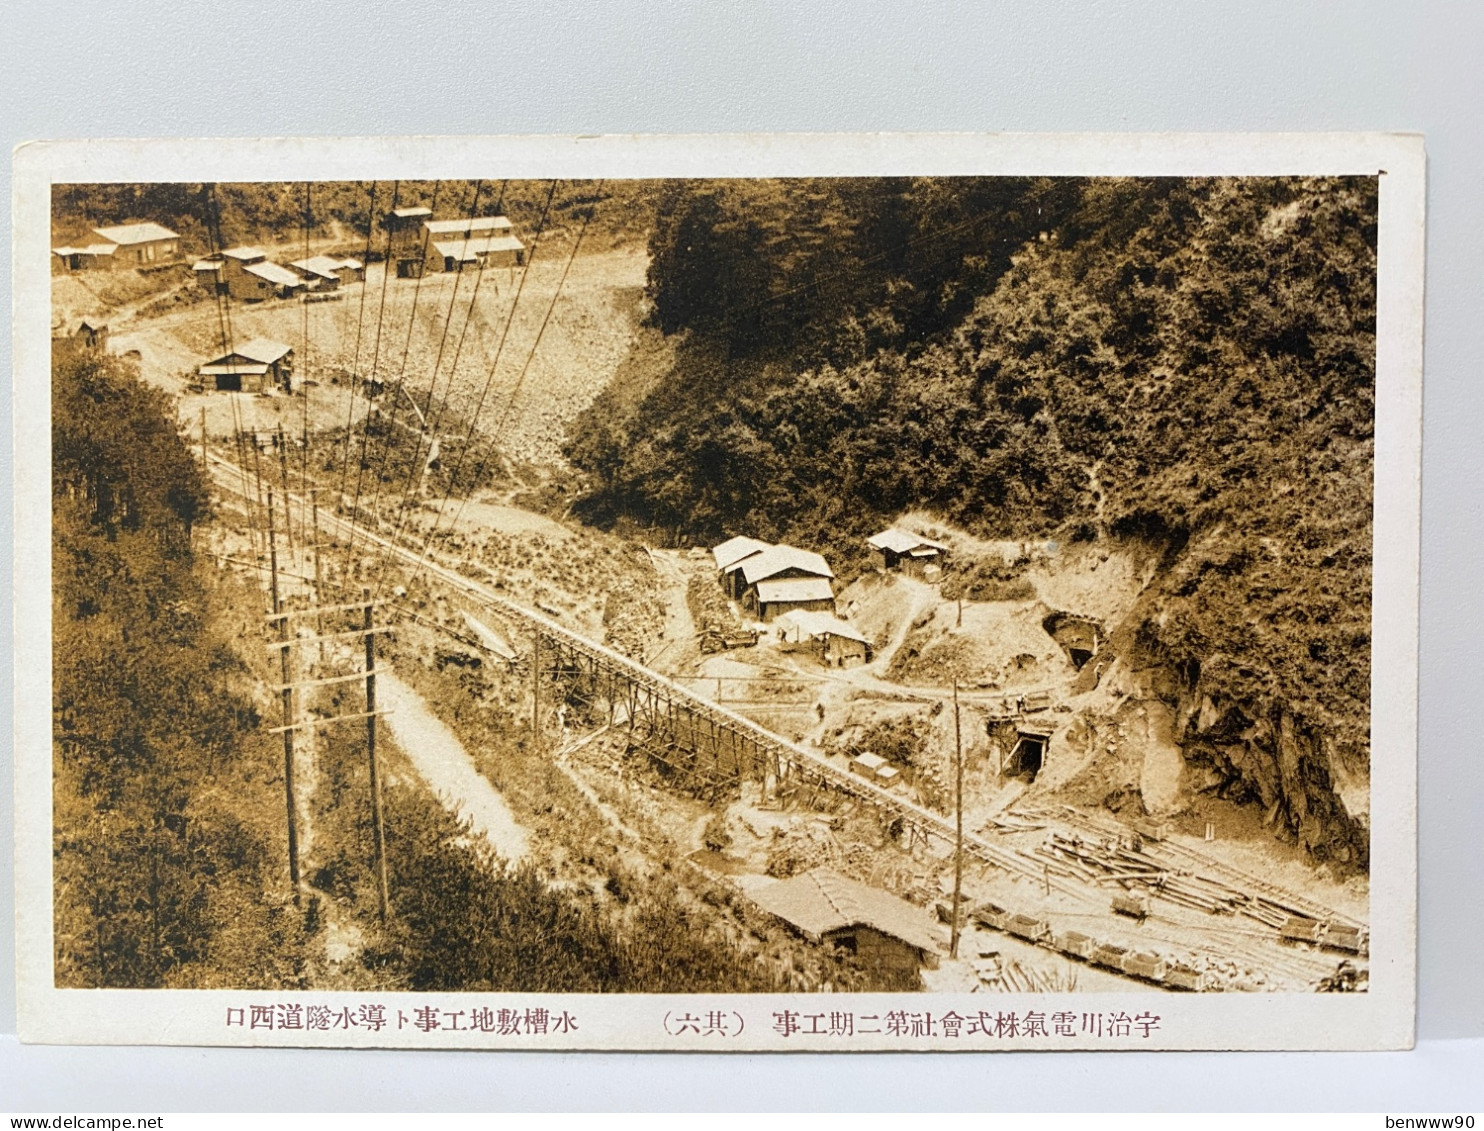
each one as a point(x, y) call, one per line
point(188, 67)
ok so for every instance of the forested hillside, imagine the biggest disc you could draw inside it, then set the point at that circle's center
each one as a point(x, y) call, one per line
point(1185, 364)
point(164, 876)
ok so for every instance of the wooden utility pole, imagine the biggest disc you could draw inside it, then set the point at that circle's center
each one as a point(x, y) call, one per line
point(288, 507)
point(376, 819)
point(536, 691)
point(319, 594)
point(288, 703)
point(958, 830)
point(204, 469)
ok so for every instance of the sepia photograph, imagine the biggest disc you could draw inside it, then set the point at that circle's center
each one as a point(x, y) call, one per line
point(805, 608)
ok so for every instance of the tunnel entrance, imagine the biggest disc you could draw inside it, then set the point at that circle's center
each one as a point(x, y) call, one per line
point(1028, 754)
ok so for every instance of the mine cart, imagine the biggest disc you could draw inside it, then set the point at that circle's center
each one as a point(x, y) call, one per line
point(1074, 943)
point(1297, 929)
point(991, 915)
point(1144, 964)
point(1345, 939)
point(719, 640)
point(1023, 926)
point(1134, 904)
point(1182, 977)
point(1109, 955)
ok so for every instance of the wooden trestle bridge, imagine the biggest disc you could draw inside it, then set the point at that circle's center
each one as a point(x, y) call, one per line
point(706, 746)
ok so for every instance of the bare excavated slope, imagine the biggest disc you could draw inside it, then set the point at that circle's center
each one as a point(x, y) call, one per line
point(549, 365)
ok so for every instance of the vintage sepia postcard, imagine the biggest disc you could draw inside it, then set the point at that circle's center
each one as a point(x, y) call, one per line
point(922, 592)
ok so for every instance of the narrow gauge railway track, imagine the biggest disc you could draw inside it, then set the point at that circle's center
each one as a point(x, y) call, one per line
point(800, 760)
point(1199, 865)
point(808, 763)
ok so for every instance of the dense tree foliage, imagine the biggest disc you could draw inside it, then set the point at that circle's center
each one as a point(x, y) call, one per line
point(1186, 362)
point(162, 876)
point(280, 211)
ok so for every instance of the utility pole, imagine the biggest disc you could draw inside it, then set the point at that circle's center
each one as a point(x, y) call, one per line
point(288, 703)
point(319, 621)
point(536, 690)
point(204, 468)
point(376, 819)
point(958, 831)
point(288, 506)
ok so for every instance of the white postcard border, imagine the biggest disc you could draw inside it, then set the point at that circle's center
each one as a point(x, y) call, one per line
point(1382, 1018)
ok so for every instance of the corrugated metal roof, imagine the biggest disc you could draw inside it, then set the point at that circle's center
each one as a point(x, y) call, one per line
point(816, 623)
point(795, 589)
point(321, 265)
point(468, 250)
point(468, 225)
point(274, 274)
point(902, 542)
point(207, 265)
point(263, 349)
point(136, 233)
point(733, 550)
point(246, 254)
point(406, 213)
point(91, 249)
point(353, 264)
point(823, 901)
point(777, 559)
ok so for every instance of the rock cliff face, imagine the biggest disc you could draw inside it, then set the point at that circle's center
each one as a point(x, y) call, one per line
point(1267, 755)
point(1313, 788)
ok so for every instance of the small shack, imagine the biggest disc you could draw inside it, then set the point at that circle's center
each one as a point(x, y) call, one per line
point(912, 554)
point(835, 642)
point(886, 934)
point(91, 335)
point(210, 275)
point(875, 768)
point(253, 367)
point(89, 257)
point(250, 277)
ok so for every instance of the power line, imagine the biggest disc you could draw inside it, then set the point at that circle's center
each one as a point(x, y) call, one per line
point(355, 363)
point(515, 392)
point(386, 445)
point(375, 362)
point(432, 420)
point(499, 350)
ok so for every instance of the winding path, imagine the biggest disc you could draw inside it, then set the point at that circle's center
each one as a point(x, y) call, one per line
point(440, 758)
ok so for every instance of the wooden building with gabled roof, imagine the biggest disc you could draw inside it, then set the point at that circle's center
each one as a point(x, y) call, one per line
point(253, 367)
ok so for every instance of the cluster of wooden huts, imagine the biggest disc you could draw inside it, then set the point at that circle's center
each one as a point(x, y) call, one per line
point(419, 244)
point(248, 275)
point(794, 589)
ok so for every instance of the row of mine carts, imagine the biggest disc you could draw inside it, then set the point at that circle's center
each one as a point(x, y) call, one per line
point(1142, 964)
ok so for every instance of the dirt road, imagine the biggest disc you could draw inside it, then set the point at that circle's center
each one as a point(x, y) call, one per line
point(442, 761)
